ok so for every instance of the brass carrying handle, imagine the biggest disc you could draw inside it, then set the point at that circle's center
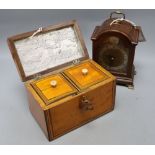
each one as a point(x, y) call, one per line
point(117, 13)
point(85, 104)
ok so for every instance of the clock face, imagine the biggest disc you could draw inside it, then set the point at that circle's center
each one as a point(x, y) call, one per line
point(113, 55)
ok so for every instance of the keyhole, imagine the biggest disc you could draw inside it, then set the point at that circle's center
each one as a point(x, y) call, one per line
point(112, 58)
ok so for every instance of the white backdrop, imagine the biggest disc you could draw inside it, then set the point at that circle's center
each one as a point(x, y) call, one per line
point(131, 122)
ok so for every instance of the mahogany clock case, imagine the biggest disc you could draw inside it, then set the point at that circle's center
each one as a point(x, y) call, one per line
point(59, 54)
point(114, 44)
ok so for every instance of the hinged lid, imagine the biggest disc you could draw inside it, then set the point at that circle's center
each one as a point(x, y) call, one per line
point(119, 25)
point(46, 49)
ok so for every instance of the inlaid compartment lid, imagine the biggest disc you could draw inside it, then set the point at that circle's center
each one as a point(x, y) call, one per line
point(50, 48)
point(86, 74)
point(50, 93)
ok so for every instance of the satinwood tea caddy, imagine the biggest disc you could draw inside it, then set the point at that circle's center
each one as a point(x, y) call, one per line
point(65, 88)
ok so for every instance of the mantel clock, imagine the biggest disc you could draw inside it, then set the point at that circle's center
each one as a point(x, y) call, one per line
point(114, 44)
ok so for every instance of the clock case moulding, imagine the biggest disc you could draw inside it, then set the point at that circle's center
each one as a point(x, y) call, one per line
point(129, 33)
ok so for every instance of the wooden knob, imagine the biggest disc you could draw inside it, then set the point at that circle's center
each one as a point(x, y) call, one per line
point(84, 71)
point(53, 83)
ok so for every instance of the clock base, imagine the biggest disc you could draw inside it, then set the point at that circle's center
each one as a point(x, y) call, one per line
point(125, 81)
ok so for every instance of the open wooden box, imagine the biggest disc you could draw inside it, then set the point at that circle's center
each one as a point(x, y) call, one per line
point(65, 88)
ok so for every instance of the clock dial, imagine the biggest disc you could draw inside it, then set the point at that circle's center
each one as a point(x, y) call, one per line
point(113, 55)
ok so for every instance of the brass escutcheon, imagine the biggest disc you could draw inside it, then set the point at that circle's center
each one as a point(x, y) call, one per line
point(85, 104)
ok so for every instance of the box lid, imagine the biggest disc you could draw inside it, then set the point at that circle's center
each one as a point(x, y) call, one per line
point(83, 81)
point(50, 94)
point(47, 49)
